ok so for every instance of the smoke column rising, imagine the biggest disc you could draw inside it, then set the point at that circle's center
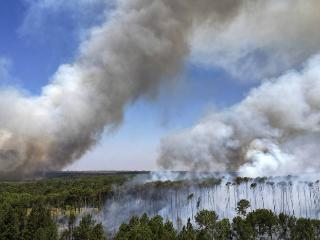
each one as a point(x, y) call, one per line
point(141, 45)
point(274, 130)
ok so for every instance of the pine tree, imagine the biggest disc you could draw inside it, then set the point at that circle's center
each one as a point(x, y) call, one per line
point(9, 225)
point(88, 230)
point(40, 225)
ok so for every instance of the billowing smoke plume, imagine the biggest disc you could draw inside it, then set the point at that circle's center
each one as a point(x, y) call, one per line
point(265, 39)
point(274, 130)
point(142, 44)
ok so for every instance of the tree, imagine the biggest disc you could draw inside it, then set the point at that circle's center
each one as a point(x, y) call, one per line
point(207, 222)
point(285, 223)
point(98, 232)
point(40, 225)
point(263, 221)
point(88, 230)
point(206, 219)
point(223, 230)
point(161, 231)
point(242, 207)
point(9, 225)
point(146, 229)
point(188, 232)
point(303, 229)
point(168, 231)
point(242, 230)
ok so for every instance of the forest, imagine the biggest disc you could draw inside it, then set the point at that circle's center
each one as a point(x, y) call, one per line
point(40, 209)
point(82, 207)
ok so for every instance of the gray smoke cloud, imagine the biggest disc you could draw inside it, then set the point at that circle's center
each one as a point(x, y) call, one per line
point(141, 44)
point(263, 40)
point(273, 131)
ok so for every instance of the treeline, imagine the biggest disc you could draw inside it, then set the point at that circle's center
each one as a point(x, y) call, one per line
point(48, 210)
point(61, 193)
point(32, 210)
point(18, 224)
point(39, 224)
point(258, 224)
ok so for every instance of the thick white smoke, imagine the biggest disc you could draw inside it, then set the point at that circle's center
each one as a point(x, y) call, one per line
point(267, 133)
point(142, 44)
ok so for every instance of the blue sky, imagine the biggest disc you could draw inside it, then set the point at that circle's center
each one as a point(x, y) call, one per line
point(38, 36)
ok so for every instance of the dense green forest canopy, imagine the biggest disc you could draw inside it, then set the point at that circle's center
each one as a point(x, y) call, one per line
point(32, 209)
point(258, 224)
point(62, 192)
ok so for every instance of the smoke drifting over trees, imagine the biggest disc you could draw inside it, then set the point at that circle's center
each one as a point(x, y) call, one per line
point(142, 43)
point(140, 46)
point(259, 135)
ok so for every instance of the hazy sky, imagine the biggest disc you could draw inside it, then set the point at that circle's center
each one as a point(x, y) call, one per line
point(38, 36)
